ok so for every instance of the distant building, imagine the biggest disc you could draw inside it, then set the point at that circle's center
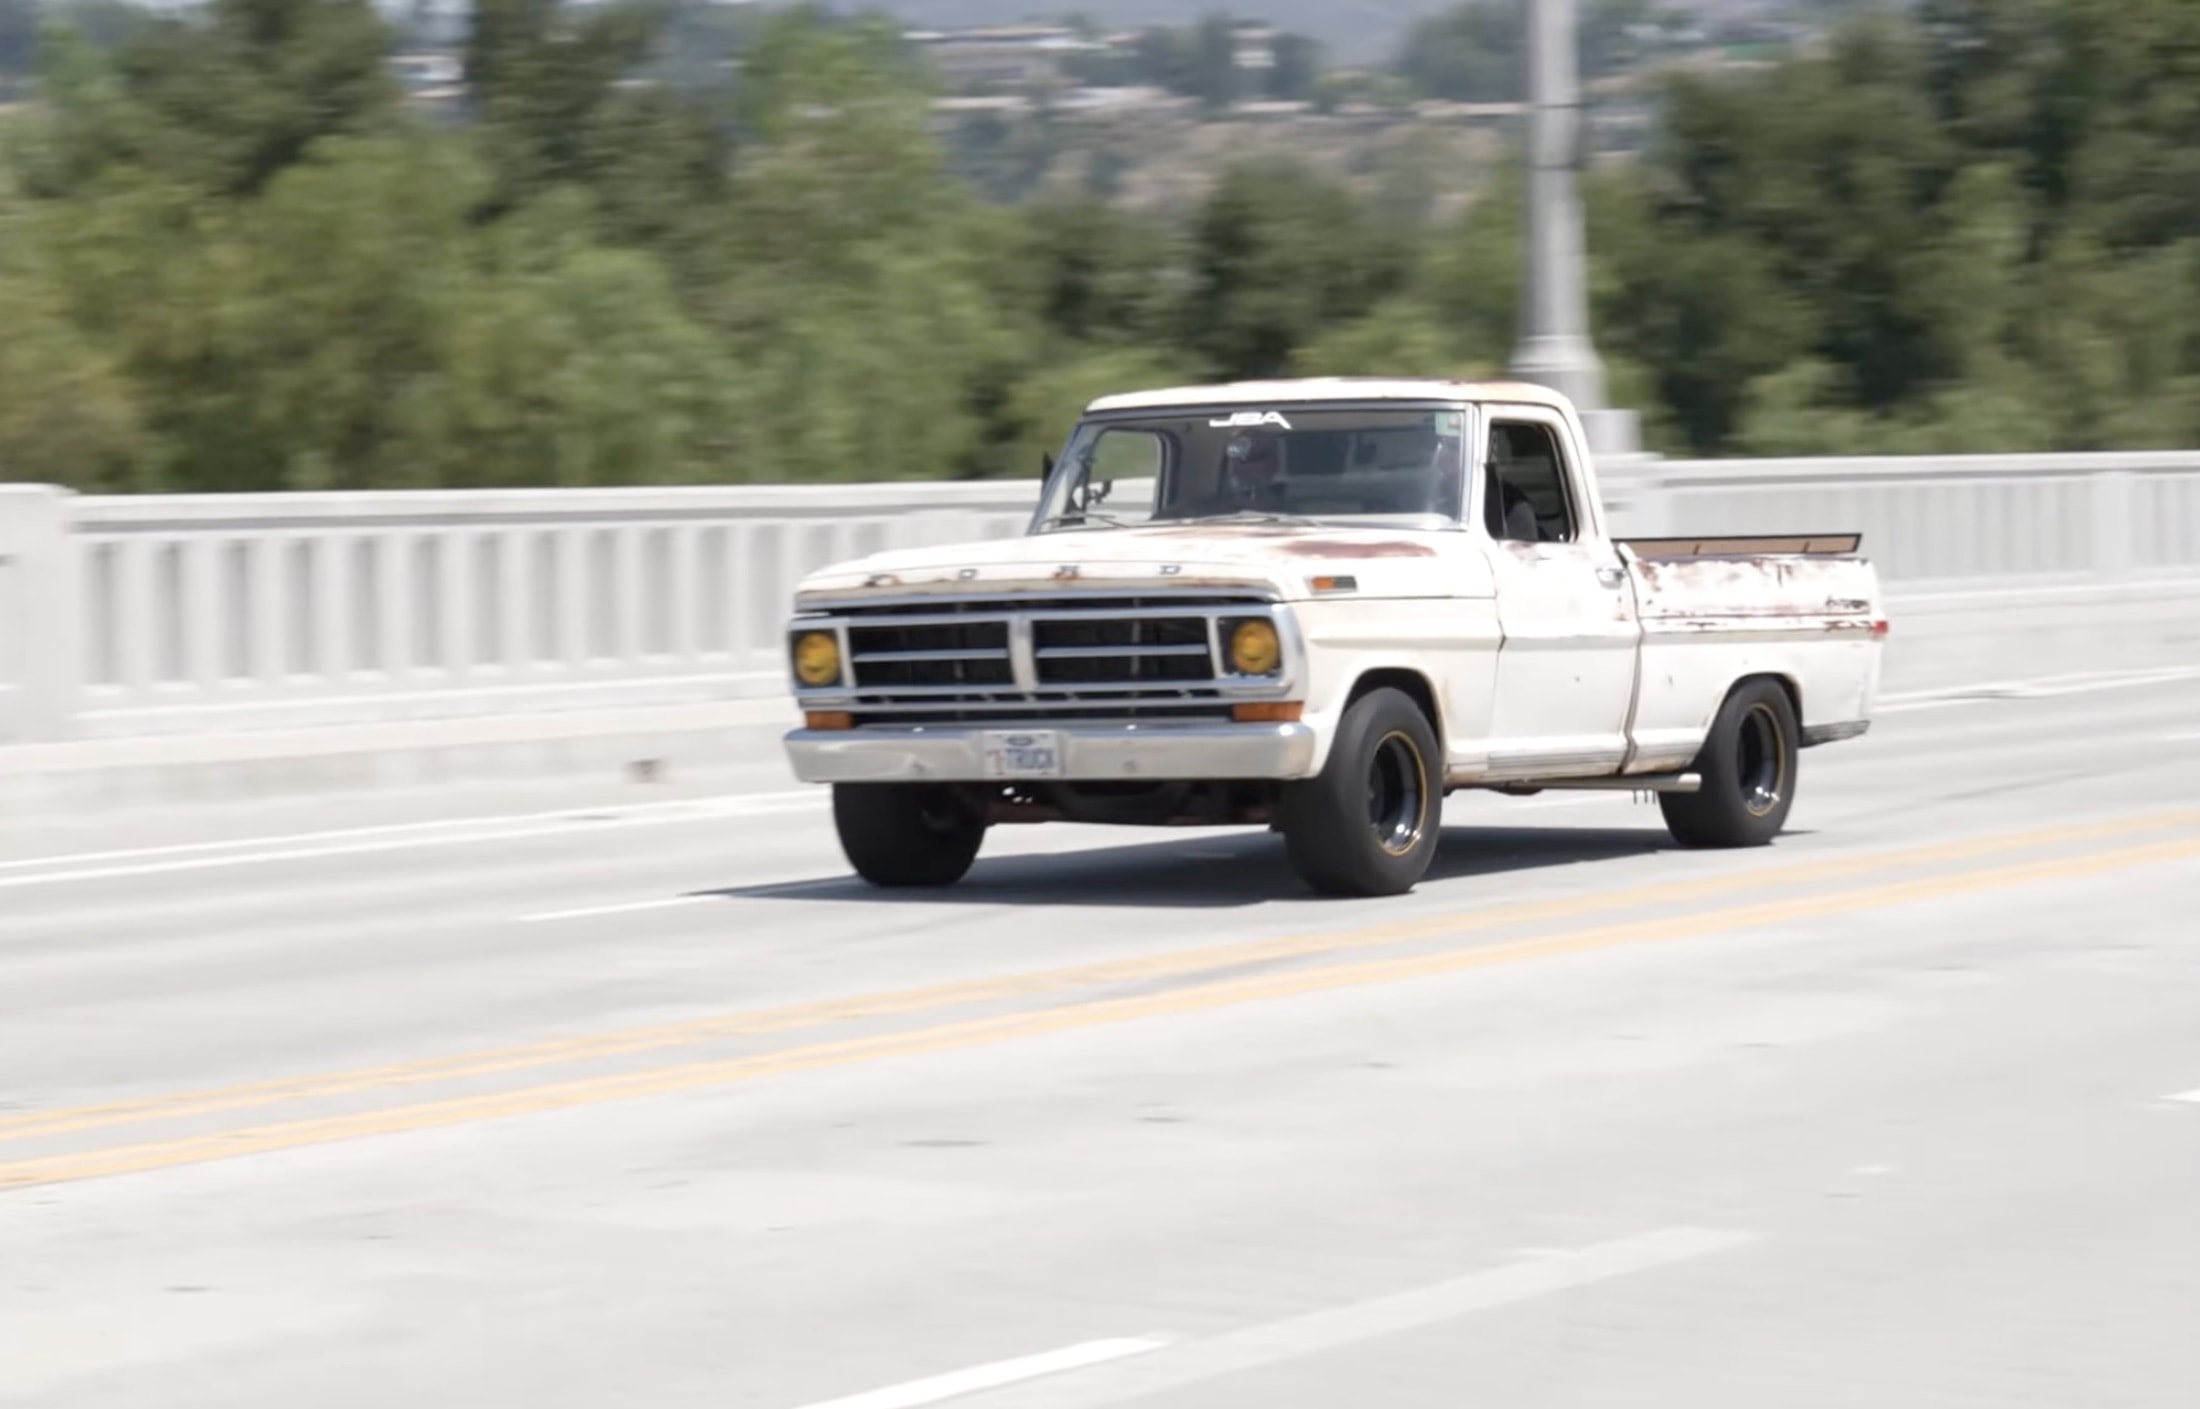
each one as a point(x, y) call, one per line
point(430, 79)
point(1004, 105)
point(1007, 55)
point(1256, 47)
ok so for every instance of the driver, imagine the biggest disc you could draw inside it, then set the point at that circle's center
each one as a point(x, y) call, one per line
point(1251, 473)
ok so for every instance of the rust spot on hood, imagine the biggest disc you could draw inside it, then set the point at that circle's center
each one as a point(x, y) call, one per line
point(1335, 548)
point(1295, 540)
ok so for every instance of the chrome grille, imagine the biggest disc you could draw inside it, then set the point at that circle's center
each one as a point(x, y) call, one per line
point(1183, 706)
point(1116, 650)
point(969, 652)
point(1000, 660)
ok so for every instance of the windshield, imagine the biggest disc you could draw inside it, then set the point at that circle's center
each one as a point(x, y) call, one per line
point(1322, 465)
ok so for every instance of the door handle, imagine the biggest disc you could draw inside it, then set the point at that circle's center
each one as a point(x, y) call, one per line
point(1612, 576)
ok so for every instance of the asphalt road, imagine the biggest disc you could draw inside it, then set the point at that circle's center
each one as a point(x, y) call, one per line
point(650, 1105)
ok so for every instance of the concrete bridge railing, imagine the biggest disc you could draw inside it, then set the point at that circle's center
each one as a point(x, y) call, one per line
point(132, 616)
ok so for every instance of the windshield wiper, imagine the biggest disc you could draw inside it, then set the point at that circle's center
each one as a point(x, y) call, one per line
point(1266, 516)
point(1084, 516)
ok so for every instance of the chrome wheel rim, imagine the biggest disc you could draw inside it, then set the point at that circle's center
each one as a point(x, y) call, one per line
point(1397, 794)
point(1760, 760)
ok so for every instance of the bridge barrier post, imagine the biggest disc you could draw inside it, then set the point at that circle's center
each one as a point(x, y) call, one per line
point(41, 650)
point(2115, 496)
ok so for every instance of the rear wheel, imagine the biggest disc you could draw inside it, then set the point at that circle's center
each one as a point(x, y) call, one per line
point(901, 835)
point(1748, 771)
point(1368, 825)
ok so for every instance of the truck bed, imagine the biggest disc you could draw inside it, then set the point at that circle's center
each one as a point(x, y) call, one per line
point(1836, 593)
point(1814, 545)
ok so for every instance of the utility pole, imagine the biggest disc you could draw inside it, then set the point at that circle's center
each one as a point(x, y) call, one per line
point(1555, 349)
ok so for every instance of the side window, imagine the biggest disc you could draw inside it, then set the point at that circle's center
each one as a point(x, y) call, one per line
point(1525, 498)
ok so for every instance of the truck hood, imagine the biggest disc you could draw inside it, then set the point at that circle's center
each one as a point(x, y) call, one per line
point(1278, 558)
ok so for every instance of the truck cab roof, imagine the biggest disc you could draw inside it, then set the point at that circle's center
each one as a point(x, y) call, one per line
point(1332, 389)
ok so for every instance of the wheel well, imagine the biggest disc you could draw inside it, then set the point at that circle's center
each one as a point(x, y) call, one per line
point(1410, 683)
point(1787, 686)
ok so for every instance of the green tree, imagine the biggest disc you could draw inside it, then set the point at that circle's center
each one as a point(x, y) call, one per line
point(568, 363)
point(105, 24)
point(1278, 256)
point(1470, 278)
point(1100, 275)
point(1042, 404)
point(67, 415)
point(841, 155)
point(859, 296)
point(1811, 193)
point(700, 42)
point(560, 104)
point(1470, 54)
point(1476, 52)
point(877, 372)
point(221, 102)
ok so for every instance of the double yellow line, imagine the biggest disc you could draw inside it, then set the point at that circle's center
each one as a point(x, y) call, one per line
point(1094, 1013)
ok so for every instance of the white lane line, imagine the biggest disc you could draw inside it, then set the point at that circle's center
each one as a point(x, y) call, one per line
point(1295, 1339)
point(2039, 688)
point(1005, 1372)
point(632, 907)
point(674, 902)
point(2181, 738)
point(2190, 1098)
point(365, 841)
point(765, 892)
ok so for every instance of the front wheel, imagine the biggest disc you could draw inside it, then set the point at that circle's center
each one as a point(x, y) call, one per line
point(1368, 825)
point(901, 835)
point(1748, 771)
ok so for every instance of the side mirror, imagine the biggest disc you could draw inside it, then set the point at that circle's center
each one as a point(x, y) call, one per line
point(1046, 465)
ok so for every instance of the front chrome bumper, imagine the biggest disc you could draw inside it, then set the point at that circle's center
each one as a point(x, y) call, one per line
point(1089, 753)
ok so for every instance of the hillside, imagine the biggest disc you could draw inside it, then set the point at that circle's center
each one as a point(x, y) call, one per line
point(1356, 31)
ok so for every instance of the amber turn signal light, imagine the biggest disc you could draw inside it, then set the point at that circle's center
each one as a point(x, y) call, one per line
point(1286, 713)
point(813, 719)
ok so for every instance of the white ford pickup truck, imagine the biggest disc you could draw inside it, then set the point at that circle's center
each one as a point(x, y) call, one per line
point(1321, 606)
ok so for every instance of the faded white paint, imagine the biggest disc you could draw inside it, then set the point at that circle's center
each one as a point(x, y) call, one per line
point(1548, 661)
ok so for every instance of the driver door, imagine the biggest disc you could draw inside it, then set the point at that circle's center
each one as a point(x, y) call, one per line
point(1566, 666)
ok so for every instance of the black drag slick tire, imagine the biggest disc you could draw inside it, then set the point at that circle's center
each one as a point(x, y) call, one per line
point(1369, 824)
point(906, 835)
point(1748, 770)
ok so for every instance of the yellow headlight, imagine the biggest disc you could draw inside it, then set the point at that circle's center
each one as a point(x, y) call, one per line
point(1254, 649)
point(817, 659)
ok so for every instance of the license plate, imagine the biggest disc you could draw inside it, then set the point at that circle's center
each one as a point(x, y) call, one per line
point(1023, 755)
